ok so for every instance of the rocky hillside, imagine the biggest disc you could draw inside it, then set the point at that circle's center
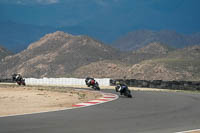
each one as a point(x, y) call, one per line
point(171, 65)
point(103, 69)
point(140, 38)
point(122, 67)
point(56, 54)
point(189, 53)
point(64, 55)
point(4, 52)
point(150, 51)
point(183, 64)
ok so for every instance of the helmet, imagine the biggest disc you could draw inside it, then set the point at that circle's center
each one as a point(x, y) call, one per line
point(117, 82)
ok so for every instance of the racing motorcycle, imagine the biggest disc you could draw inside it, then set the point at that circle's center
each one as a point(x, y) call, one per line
point(21, 82)
point(18, 79)
point(93, 83)
point(123, 89)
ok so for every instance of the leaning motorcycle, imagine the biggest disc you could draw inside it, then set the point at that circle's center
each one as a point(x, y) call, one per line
point(91, 82)
point(123, 89)
point(18, 79)
point(95, 86)
point(21, 82)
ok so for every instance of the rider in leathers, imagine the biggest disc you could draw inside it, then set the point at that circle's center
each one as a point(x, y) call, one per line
point(89, 81)
point(121, 87)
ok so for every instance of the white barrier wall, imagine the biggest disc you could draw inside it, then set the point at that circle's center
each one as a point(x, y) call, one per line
point(64, 81)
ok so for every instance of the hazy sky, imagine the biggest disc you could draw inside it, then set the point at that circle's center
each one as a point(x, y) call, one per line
point(97, 17)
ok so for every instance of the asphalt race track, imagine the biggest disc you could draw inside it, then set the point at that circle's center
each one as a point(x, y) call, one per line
point(147, 112)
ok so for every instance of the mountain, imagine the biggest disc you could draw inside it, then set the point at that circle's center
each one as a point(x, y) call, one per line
point(103, 69)
point(180, 64)
point(16, 36)
point(4, 52)
point(150, 51)
point(61, 54)
point(56, 54)
point(120, 68)
point(140, 38)
point(187, 53)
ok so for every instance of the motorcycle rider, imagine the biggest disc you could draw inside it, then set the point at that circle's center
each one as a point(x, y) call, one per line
point(120, 87)
point(89, 81)
point(92, 82)
point(17, 77)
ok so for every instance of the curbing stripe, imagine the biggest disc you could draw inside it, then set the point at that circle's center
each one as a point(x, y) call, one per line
point(106, 98)
point(102, 99)
point(92, 102)
point(97, 101)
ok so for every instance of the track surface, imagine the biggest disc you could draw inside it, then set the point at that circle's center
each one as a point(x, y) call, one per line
point(147, 112)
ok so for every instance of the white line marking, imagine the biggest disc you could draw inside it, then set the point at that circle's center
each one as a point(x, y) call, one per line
point(97, 101)
point(189, 131)
point(85, 104)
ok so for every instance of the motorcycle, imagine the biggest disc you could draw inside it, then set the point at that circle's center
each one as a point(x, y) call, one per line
point(18, 79)
point(21, 82)
point(123, 89)
point(96, 86)
point(91, 82)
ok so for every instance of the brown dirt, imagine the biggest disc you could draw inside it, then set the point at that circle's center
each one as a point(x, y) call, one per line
point(29, 99)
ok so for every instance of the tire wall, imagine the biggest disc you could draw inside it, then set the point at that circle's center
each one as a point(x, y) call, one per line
point(6, 81)
point(174, 85)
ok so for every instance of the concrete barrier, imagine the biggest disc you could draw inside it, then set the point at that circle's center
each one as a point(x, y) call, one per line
point(64, 81)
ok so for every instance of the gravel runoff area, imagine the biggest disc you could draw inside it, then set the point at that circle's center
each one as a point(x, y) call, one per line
point(16, 100)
